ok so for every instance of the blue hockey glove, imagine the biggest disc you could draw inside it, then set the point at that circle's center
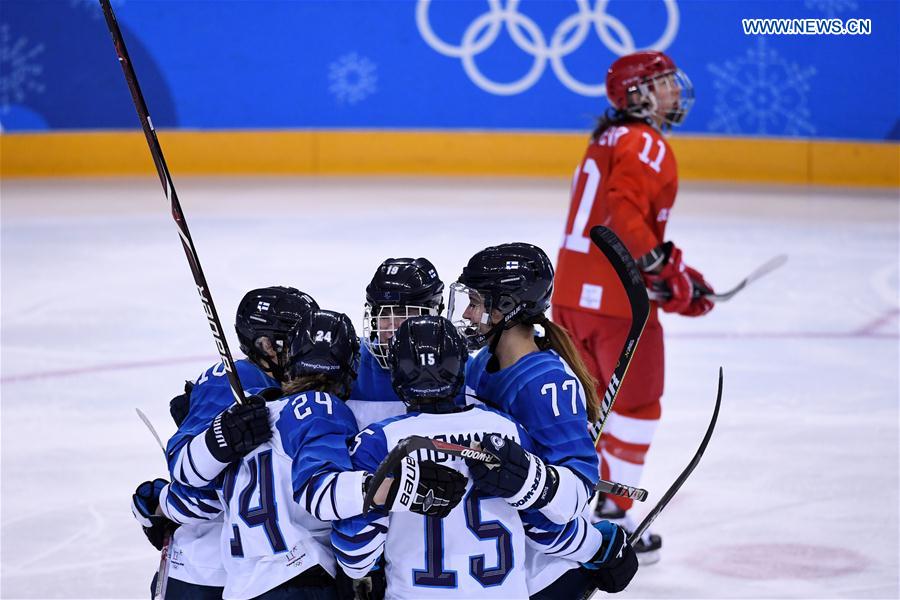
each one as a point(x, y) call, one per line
point(144, 503)
point(522, 478)
point(615, 563)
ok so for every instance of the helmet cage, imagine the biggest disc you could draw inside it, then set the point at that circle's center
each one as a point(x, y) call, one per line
point(471, 312)
point(643, 100)
point(381, 321)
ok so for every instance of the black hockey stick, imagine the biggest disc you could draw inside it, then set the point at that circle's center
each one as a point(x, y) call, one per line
point(760, 271)
point(165, 179)
point(620, 259)
point(676, 485)
point(414, 443)
point(411, 444)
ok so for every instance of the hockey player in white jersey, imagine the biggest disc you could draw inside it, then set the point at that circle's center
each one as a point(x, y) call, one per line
point(264, 318)
point(478, 549)
point(280, 498)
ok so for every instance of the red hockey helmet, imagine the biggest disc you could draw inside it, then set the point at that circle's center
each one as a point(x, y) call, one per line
point(647, 84)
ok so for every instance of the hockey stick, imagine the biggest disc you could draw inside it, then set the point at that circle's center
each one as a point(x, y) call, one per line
point(414, 443)
point(760, 271)
point(620, 259)
point(150, 426)
point(676, 485)
point(162, 573)
point(165, 179)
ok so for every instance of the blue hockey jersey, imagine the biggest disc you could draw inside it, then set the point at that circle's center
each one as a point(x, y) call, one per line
point(210, 396)
point(541, 392)
point(278, 500)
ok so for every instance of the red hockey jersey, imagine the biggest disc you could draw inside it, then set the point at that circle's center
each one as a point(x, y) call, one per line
point(627, 181)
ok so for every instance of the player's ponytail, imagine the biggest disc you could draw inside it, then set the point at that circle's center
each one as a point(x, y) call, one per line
point(611, 118)
point(557, 339)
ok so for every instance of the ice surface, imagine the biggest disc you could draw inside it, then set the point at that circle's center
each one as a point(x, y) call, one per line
point(797, 496)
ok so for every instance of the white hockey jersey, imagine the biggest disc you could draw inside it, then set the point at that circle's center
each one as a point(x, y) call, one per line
point(478, 551)
point(279, 500)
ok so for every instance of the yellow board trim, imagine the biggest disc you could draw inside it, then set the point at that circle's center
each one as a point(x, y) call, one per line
point(236, 152)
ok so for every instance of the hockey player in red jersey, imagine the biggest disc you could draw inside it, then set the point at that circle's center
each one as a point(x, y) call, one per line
point(628, 181)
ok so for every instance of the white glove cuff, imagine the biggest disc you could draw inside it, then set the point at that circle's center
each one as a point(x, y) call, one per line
point(534, 483)
point(407, 485)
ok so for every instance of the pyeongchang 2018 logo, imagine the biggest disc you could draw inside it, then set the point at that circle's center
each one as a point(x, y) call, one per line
point(567, 38)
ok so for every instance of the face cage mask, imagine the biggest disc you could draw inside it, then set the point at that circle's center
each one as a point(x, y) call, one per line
point(380, 323)
point(470, 313)
point(676, 84)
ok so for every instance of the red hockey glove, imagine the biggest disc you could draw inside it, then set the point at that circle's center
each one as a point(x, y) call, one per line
point(700, 304)
point(669, 276)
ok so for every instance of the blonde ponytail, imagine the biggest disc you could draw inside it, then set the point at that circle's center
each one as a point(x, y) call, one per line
point(556, 338)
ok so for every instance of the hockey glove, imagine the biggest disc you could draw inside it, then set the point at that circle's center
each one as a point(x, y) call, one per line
point(179, 406)
point(700, 304)
point(615, 563)
point(238, 430)
point(144, 503)
point(664, 272)
point(522, 478)
point(425, 488)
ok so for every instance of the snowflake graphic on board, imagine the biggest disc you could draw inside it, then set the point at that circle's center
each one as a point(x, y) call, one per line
point(761, 93)
point(831, 8)
point(19, 70)
point(353, 78)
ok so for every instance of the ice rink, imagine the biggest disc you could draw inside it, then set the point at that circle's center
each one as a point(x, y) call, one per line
point(796, 497)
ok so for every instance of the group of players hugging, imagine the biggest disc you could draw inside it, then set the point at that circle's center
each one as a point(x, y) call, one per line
point(267, 497)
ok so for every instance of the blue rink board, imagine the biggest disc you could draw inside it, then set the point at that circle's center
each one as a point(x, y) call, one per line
point(502, 65)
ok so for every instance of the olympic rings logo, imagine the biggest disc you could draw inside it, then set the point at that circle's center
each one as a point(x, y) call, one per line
point(525, 33)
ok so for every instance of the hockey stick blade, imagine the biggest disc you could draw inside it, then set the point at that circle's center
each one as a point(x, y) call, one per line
point(764, 269)
point(679, 481)
point(152, 429)
point(620, 259)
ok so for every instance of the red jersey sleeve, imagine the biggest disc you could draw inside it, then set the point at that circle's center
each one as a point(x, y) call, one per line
point(631, 188)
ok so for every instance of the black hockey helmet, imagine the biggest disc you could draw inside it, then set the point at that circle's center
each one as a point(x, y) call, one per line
point(427, 360)
point(401, 288)
point(324, 342)
point(515, 279)
point(266, 316)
